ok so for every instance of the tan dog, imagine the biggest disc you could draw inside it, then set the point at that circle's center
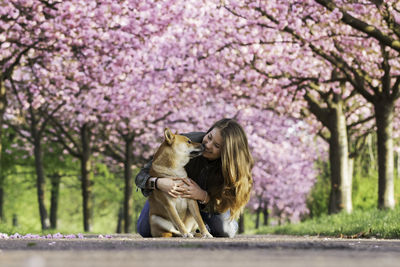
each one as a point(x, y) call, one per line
point(171, 216)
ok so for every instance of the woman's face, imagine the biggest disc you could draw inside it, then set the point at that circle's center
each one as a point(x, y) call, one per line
point(212, 143)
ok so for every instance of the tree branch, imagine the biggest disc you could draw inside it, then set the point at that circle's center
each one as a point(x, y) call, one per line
point(386, 72)
point(316, 109)
point(396, 89)
point(360, 25)
point(68, 136)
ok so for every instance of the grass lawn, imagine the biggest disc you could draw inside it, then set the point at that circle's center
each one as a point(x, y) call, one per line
point(359, 224)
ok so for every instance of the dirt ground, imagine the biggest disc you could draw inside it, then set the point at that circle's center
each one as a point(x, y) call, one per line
point(243, 250)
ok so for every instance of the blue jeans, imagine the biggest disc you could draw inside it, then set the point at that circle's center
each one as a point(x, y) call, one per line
point(218, 224)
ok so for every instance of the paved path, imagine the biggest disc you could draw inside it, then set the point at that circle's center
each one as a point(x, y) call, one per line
point(243, 251)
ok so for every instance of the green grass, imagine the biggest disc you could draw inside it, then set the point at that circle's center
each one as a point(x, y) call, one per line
point(359, 224)
point(21, 202)
point(365, 224)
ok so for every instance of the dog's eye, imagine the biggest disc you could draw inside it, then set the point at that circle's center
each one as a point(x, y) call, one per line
point(189, 142)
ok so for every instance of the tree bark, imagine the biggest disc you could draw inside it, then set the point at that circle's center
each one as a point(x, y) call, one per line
point(120, 221)
point(40, 180)
point(266, 216)
point(384, 111)
point(55, 189)
point(40, 185)
point(1, 197)
point(340, 196)
point(128, 200)
point(372, 165)
point(3, 105)
point(398, 164)
point(333, 118)
point(15, 220)
point(241, 224)
point(350, 177)
point(86, 183)
point(258, 217)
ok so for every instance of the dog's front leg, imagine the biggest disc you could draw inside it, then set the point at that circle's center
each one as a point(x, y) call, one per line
point(161, 227)
point(174, 216)
point(195, 211)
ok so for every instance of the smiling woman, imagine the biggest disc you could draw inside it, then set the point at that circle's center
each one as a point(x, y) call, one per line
point(212, 143)
point(220, 179)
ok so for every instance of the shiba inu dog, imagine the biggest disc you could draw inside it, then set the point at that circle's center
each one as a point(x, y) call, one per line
point(171, 216)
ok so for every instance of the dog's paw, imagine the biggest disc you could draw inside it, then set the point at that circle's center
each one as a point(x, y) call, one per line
point(206, 235)
point(187, 235)
point(166, 234)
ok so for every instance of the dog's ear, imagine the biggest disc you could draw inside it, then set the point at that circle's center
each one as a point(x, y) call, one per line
point(169, 136)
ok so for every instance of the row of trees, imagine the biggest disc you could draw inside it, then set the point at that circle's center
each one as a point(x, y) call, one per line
point(105, 77)
point(341, 60)
point(102, 79)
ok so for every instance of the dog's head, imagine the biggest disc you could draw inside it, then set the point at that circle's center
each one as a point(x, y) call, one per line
point(174, 153)
point(181, 145)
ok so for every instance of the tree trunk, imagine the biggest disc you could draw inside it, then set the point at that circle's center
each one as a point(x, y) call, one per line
point(266, 215)
point(398, 164)
point(258, 217)
point(120, 221)
point(1, 197)
point(128, 201)
point(40, 184)
point(241, 224)
point(372, 162)
point(333, 118)
point(384, 111)
point(350, 183)
point(3, 105)
point(340, 196)
point(40, 180)
point(86, 175)
point(55, 189)
point(15, 220)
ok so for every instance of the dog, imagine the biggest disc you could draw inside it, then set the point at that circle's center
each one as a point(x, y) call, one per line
point(171, 216)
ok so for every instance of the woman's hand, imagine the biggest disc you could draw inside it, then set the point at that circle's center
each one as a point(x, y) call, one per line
point(193, 190)
point(172, 186)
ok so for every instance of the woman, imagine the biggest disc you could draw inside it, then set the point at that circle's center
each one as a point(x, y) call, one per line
point(220, 179)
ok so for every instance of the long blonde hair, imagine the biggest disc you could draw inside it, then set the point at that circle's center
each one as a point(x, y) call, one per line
point(236, 166)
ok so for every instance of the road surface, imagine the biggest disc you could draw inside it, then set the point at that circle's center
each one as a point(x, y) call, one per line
point(243, 251)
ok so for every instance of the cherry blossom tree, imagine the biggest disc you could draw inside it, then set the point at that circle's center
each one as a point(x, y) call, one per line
point(106, 51)
point(377, 81)
point(366, 53)
point(331, 49)
point(31, 125)
point(178, 66)
point(117, 73)
point(239, 61)
point(84, 39)
point(26, 29)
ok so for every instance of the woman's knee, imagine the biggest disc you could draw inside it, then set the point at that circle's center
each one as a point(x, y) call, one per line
point(143, 229)
point(143, 223)
point(221, 225)
point(224, 229)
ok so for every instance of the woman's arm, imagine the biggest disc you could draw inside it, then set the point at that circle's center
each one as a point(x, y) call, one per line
point(142, 179)
point(172, 186)
point(193, 190)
